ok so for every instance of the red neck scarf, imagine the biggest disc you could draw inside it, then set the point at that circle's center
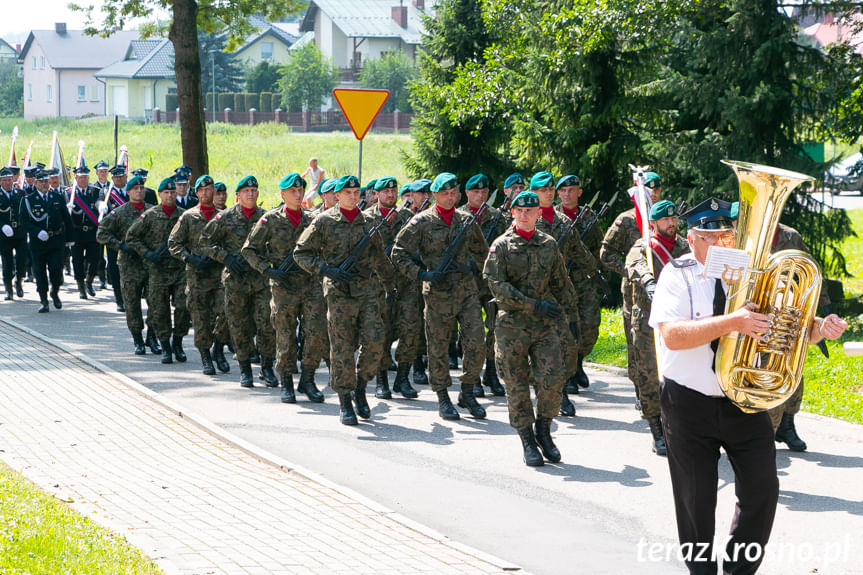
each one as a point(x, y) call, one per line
point(548, 214)
point(571, 214)
point(525, 235)
point(350, 214)
point(662, 247)
point(138, 207)
point(168, 211)
point(248, 212)
point(385, 211)
point(475, 210)
point(208, 212)
point(445, 214)
point(295, 216)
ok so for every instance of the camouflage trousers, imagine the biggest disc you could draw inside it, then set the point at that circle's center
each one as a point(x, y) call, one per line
point(353, 322)
point(389, 310)
point(626, 310)
point(791, 406)
point(247, 309)
point(589, 317)
point(443, 312)
point(134, 285)
point(484, 297)
point(167, 287)
point(646, 379)
point(206, 303)
point(286, 307)
point(408, 321)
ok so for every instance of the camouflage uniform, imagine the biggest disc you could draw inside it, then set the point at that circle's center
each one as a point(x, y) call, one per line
point(643, 347)
point(520, 272)
point(133, 274)
point(167, 277)
point(353, 316)
point(409, 313)
point(247, 295)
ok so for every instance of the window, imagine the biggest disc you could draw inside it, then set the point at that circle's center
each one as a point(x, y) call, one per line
point(49, 96)
point(30, 92)
point(266, 50)
point(34, 62)
point(94, 93)
point(82, 93)
point(41, 62)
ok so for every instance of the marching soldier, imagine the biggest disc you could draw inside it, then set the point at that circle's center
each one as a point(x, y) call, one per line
point(247, 293)
point(13, 239)
point(220, 196)
point(328, 195)
point(665, 245)
point(450, 296)
point(527, 276)
point(205, 294)
point(111, 197)
point(132, 269)
point(167, 277)
point(295, 293)
point(353, 317)
point(86, 251)
point(44, 214)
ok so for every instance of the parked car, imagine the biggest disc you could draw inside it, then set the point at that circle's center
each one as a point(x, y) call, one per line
point(847, 175)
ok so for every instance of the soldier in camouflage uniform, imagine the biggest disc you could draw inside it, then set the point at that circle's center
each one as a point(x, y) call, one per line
point(205, 294)
point(667, 245)
point(220, 196)
point(328, 197)
point(528, 278)
point(492, 225)
point(247, 292)
point(583, 278)
point(386, 188)
point(450, 298)
point(618, 240)
point(512, 186)
point(149, 237)
point(353, 317)
point(295, 293)
point(132, 269)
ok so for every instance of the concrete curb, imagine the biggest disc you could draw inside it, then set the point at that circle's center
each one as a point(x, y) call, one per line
point(267, 457)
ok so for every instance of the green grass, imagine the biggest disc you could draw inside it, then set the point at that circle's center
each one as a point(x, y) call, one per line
point(39, 534)
point(268, 151)
point(610, 348)
point(853, 251)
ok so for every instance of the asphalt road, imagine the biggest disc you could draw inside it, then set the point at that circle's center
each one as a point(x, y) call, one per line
point(599, 511)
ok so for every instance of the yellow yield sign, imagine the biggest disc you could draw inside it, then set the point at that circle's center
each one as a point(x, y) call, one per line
point(361, 107)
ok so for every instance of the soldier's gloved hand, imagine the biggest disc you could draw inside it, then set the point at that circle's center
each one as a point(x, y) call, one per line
point(70, 244)
point(416, 258)
point(650, 288)
point(474, 268)
point(127, 248)
point(103, 209)
point(152, 256)
point(196, 262)
point(547, 309)
point(573, 329)
point(276, 274)
point(8, 231)
point(335, 273)
point(433, 277)
point(42, 235)
point(234, 264)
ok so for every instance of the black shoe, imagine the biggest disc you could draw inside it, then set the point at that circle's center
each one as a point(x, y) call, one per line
point(402, 385)
point(19, 289)
point(246, 374)
point(307, 385)
point(543, 439)
point(89, 285)
point(467, 400)
point(655, 424)
point(490, 379)
point(445, 408)
point(567, 408)
point(82, 291)
point(346, 410)
point(153, 343)
point(532, 456)
point(207, 362)
point(382, 387)
point(121, 308)
point(787, 433)
point(580, 376)
point(167, 357)
point(139, 343)
point(219, 357)
point(103, 284)
point(363, 409)
point(56, 299)
point(267, 373)
point(177, 346)
point(571, 386)
point(8, 295)
point(43, 308)
point(288, 395)
point(420, 377)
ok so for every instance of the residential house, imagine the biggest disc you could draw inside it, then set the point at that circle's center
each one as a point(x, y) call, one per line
point(7, 52)
point(832, 29)
point(141, 80)
point(270, 42)
point(59, 67)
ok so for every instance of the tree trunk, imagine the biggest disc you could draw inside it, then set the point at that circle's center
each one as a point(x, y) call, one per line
point(187, 67)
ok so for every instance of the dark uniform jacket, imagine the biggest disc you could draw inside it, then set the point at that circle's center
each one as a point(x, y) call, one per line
point(83, 227)
point(49, 214)
point(10, 215)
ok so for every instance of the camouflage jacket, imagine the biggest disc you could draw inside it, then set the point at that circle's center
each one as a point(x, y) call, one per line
point(150, 233)
point(273, 239)
point(388, 232)
point(185, 239)
point(579, 262)
point(618, 240)
point(113, 229)
point(224, 236)
point(520, 272)
point(488, 219)
point(593, 240)
point(638, 274)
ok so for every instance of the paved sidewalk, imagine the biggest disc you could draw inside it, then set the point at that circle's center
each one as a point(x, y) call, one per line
point(193, 501)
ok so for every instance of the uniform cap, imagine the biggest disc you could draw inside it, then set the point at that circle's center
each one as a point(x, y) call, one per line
point(565, 181)
point(291, 180)
point(247, 182)
point(82, 170)
point(101, 165)
point(167, 184)
point(41, 174)
point(346, 182)
point(31, 171)
point(526, 200)
point(51, 172)
point(541, 180)
point(6, 172)
point(421, 186)
point(221, 187)
point(443, 181)
point(386, 182)
point(140, 172)
point(663, 209)
point(204, 181)
point(652, 180)
point(135, 181)
point(118, 170)
point(404, 189)
point(513, 179)
point(477, 182)
point(327, 186)
point(710, 215)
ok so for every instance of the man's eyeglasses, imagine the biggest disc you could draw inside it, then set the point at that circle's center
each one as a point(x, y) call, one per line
point(723, 238)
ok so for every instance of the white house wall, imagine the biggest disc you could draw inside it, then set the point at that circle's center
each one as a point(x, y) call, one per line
point(36, 79)
point(69, 104)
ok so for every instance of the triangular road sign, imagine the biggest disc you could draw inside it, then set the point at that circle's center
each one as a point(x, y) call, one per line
point(360, 107)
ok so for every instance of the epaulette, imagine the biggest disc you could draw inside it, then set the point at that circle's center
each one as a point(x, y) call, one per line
point(678, 263)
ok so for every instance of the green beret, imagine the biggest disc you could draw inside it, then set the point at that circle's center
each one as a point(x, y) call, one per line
point(369, 186)
point(346, 182)
point(404, 189)
point(167, 184)
point(136, 181)
point(421, 186)
point(512, 180)
point(291, 180)
point(526, 200)
point(565, 181)
point(221, 187)
point(443, 181)
point(651, 180)
point(247, 182)
point(327, 186)
point(203, 181)
point(386, 182)
point(735, 208)
point(477, 182)
point(662, 209)
point(541, 180)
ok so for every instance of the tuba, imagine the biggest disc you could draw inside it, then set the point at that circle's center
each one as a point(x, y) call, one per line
point(785, 286)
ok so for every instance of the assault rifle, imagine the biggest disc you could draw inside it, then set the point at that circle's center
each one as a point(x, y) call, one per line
point(496, 221)
point(407, 204)
point(582, 212)
point(445, 265)
point(351, 263)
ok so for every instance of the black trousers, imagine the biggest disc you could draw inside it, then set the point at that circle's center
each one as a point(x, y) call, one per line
point(114, 274)
point(48, 262)
point(85, 259)
point(13, 252)
point(696, 427)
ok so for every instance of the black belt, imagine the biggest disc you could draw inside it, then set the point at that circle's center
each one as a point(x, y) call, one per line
point(52, 233)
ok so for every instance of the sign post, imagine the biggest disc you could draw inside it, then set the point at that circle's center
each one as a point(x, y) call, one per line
point(360, 108)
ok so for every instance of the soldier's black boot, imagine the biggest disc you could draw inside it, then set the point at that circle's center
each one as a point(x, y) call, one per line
point(246, 374)
point(207, 362)
point(445, 408)
point(8, 291)
point(490, 378)
point(580, 376)
point(19, 289)
point(153, 343)
point(177, 345)
point(43, 308)
point(467, 400)
point(787, 433)
point(167, 357)
point(288, 395)
point(543, 439)
point(219, 357)
point(82, 291)
point(453, 355)
point(420, 377)
point(532, 456)
point(363, 409)
point(89, 285)
point(267, 373)
point(255, 357)
point(307, 385)
point(346, 410)
point(571, 386)
point(55, 297)
point(478, 390)
point(567, 409)
point(139, 343)
point(402, 385)
point(655, 424)
point(382, 385)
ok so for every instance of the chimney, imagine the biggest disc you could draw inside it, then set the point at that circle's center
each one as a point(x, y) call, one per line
point(60, 28)
point(400, 15)
point(420, 4)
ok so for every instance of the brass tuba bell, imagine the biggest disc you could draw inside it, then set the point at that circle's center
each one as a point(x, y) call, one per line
point(785, 286)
